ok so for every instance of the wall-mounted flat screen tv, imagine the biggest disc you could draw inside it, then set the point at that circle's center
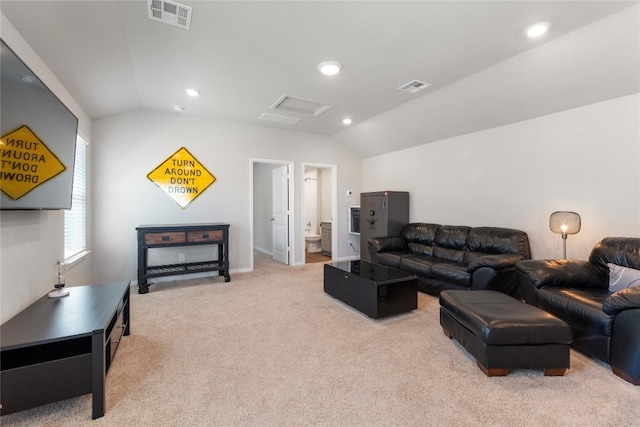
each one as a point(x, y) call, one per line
point(38, 145)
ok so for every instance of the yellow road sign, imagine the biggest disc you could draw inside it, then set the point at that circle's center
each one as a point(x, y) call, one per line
point(182, 177)
point(25, 162)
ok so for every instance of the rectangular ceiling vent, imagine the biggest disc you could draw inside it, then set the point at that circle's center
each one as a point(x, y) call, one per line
point(277, 118)
point(414, 86)
point(171, 13)
point(304, 107)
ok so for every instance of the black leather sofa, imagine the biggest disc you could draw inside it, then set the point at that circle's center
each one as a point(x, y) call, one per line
point(605, 324)
point(455, 257)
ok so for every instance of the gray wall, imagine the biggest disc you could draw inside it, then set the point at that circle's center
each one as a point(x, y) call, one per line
point(585, 160)
point(128, 146)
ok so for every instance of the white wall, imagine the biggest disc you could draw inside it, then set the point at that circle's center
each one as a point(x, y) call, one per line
point(585, 159)
point(128, 146)
point(32, 241)
point(324, 188)
point(312, 201)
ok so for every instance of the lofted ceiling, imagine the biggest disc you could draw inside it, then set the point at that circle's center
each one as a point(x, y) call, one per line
point(244, 55)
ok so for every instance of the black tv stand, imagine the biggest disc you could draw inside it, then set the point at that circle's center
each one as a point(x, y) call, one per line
point(58, 348)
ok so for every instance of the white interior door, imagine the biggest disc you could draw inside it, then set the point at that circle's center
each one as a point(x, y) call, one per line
point(280, 216)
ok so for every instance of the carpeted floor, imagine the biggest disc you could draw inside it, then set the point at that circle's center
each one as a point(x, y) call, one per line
point(270, 348)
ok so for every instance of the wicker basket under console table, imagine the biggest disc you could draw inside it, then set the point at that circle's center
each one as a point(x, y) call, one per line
point(163, 236)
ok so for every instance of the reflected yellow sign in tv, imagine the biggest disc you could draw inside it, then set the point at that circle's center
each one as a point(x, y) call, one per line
point(182, 177)
point(25, 162)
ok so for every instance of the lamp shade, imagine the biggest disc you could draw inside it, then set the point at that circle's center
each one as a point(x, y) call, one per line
point(564, 222)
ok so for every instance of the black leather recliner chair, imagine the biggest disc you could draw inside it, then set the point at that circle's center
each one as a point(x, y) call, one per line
point(605, 324)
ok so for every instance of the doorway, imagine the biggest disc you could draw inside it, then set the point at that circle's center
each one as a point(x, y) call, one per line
point(271, 211)
point(319, 211)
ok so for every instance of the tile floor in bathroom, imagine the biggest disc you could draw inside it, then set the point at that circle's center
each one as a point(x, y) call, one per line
point(315, 257)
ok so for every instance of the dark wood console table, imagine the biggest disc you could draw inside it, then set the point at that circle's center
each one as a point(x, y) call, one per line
point(162, 236)
point(58, 348)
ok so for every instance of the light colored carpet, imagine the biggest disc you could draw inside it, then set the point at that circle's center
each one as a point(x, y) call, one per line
point(270, 348)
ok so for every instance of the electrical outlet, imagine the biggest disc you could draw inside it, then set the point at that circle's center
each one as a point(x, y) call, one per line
point(182, 257)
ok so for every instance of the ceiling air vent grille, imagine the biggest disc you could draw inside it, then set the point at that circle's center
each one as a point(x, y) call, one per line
point(277, 118)
point(304, 107)
point(414, 86)
point(171, 13)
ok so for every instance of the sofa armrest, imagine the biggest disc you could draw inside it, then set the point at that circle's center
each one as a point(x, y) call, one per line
point(624, 350)
point(496, 261)
point(385, 244)
point(622, 300)
point(565, 273)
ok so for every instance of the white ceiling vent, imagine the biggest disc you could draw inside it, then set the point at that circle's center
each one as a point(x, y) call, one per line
point(169, 12)
point(277, 118)
point(414, 86)
point(305, 107)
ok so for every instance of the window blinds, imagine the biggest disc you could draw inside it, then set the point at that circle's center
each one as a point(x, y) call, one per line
point(75, 219)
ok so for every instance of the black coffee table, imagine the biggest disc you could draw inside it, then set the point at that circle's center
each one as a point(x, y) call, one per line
point(373, 289)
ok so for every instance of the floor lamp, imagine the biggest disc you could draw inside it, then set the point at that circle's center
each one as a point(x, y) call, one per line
point(564, 223)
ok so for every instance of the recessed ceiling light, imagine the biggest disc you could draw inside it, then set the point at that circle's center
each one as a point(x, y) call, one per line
point(178, 108)
point(347, 121)
point(330, 68)
point(536, 30)
point(192, 92)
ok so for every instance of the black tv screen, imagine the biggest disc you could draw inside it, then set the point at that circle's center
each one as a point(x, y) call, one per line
point(37, 149)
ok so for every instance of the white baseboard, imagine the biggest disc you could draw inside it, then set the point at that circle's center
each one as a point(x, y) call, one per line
point(264, 251)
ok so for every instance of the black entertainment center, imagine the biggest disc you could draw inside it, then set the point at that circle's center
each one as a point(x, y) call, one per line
point(58, 348)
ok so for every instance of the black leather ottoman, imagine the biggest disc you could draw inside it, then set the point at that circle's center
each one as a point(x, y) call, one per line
point(503, 333)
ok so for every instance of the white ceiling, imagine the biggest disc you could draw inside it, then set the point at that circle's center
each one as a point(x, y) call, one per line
point(243, 56)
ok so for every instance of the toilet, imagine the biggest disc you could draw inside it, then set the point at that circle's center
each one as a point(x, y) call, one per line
point(313, 243)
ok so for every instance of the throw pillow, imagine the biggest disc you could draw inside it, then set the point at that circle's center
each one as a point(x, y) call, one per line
point(622, 277)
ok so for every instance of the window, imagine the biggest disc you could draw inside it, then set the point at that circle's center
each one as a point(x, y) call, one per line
point(75, 219)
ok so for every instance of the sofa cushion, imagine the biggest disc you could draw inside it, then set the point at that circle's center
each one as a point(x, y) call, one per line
point(420, 232)
point(579, 306)
point(621, 277)
point(451, 271)
point(624, 251)
point(420, 265)
point(420, 248)
point(494, 240)
point(391, 259)
point(451, 242)
point(420, 237)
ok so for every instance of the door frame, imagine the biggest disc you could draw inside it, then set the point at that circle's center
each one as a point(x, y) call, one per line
point(291, 212)
point(334, 206)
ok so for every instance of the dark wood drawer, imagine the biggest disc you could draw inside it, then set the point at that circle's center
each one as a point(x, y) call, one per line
point(164, 238)
point(205, 236)
point(113, 339)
